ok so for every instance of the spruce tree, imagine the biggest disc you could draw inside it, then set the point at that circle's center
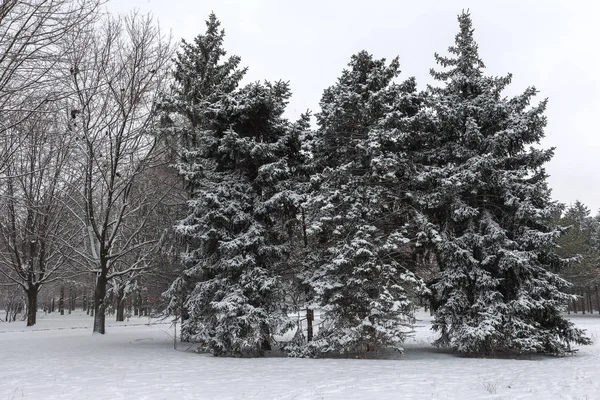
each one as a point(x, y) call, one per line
point(482, 186)
point(203, 79)
point(358, 210)
point(238, 156)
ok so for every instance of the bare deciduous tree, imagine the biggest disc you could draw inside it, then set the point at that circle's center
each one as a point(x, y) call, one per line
point(117, 73)
point(33, 53)
point(34, 221)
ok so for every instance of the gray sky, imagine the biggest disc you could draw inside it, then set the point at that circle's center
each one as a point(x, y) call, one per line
point(547, 44)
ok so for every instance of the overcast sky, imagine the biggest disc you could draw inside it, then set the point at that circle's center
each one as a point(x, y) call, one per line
point(552, 45)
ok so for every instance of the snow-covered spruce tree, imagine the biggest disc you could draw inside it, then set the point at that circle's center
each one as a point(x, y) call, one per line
point(485, 189)
point(203, 79)
point(238, 154)
point(359, 215)
point(238, 216)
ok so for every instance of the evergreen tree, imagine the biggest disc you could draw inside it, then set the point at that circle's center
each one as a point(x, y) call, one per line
point(203, 84)
point(484, 189)
point(203, 81)
point(359, 216)
point(238, 157)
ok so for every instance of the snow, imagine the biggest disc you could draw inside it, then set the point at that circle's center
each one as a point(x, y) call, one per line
point(61, 359)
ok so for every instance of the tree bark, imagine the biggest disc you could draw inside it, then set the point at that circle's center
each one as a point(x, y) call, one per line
point(31, 306)
point(310, 317)
point(120, 310)
point(71, 300)
point(99, 306)
point(61, 301)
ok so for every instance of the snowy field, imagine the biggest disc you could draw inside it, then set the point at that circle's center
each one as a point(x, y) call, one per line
point(61, 359)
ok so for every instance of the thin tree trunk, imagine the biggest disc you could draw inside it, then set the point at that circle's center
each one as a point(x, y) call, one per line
point(310, 317)
point(120, 310)
point(145, 306)
point(136, 304)
point(61, 301)
point(71, 300)
point(310, 314)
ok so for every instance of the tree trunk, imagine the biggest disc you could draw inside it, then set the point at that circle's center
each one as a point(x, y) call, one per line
point(71, 300)
point(31, 306)
point(145, 306)
point(310, 317)
point(99, 306)
point(61, 301)
point(120, 310)
point(136, 304)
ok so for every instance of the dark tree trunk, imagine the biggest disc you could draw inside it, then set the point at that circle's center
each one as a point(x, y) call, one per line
point(71, 300)
point(52, 306)
point(136, 305)
point(120, 310)
point(129, 303)
point(310, 317)
point(145, 306)
point(31, 306)
point(99, 306)
point(61, 301)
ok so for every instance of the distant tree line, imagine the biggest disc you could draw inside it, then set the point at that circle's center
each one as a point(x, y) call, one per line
point(580, 244)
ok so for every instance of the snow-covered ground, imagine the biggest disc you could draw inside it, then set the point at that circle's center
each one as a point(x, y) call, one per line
point(61, 359)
